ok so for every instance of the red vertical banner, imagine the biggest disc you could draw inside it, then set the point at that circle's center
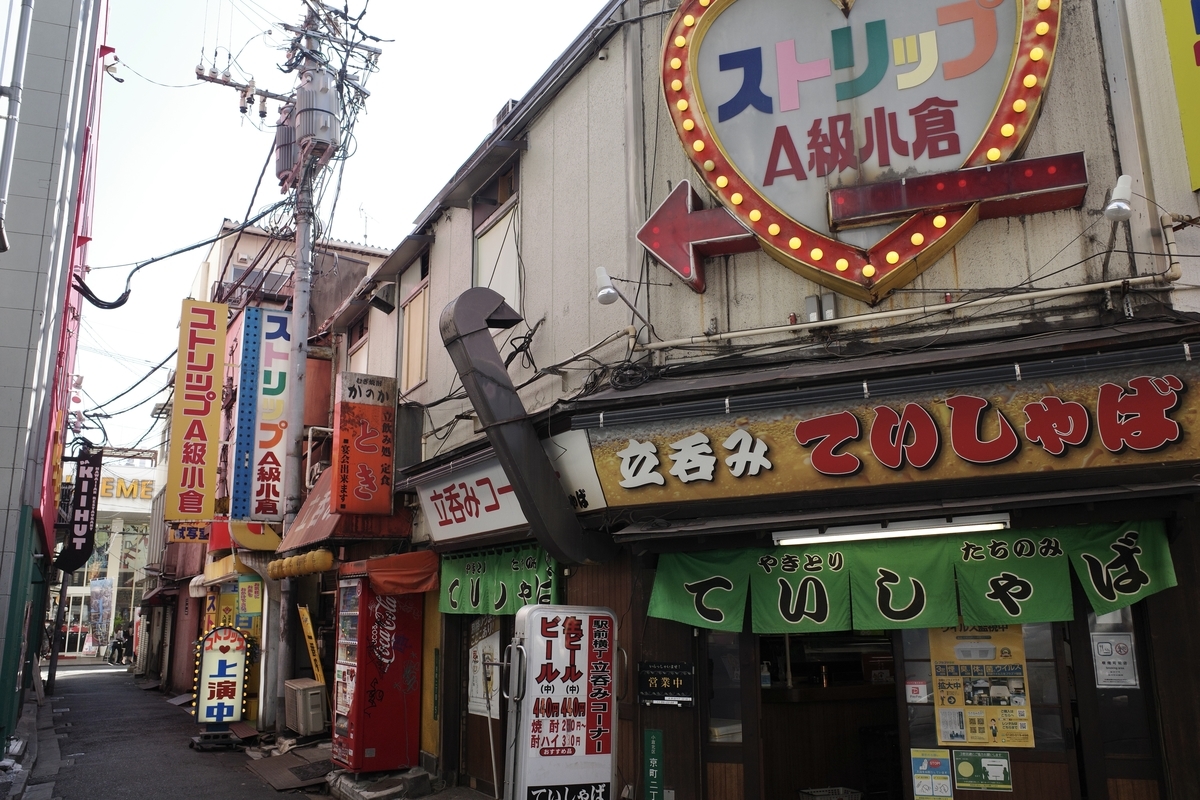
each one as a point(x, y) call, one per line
point(364, 421)
point(600, 699)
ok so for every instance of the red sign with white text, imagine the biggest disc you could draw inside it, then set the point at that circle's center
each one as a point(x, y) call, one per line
point(364, 420)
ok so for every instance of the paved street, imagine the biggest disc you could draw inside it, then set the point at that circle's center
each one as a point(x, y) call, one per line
point(118, 741)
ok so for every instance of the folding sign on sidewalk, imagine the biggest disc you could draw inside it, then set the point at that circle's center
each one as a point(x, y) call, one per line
point(364, 419)
point(563, 715)
point(221, 676)
point(196, 412)
point(263, 397)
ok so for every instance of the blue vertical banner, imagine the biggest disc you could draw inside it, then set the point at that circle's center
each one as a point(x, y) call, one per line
point(243, 459)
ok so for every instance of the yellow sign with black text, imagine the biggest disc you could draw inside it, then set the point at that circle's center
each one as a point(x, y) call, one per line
point(980, 686)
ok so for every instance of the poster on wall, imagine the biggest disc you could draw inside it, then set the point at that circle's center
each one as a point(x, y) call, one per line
point(980, 692)
point(483, 684)
point(1113, 657)
point(931, 774)
point(982, 770)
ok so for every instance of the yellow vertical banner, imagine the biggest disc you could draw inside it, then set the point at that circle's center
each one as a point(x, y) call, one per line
point(196, 412)
point(313, 655)
point(1183, 43)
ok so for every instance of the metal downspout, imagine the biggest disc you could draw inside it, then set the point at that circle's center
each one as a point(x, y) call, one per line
point(13, 93)
point(464, 326)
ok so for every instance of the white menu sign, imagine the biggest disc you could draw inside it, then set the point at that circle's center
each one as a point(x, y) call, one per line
point(563, 713)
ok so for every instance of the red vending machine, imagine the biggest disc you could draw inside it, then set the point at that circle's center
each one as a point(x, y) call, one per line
point(377, 679)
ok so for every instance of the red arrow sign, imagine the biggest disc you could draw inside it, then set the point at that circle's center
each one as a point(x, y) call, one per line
point(679, 237)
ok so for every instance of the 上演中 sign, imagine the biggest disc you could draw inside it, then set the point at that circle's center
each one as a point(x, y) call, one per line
point(364, 423)
point(980, 686)
point(221, 677)
point(196, 412)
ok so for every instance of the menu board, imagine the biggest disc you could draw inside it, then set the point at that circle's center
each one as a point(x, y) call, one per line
point(980, 690)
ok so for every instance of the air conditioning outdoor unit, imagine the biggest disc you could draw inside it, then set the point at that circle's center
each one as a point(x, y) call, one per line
point(305, 699)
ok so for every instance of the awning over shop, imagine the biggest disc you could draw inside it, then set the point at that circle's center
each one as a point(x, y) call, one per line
point(224, 569)
point(407, 573)
point(196, 587)
point(994, 578)
point(316, 523)
point(160, 594)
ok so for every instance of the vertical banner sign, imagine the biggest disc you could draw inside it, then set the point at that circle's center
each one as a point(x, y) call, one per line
point(652, 754)
point(270, 439)
point(242, 489)
point(1183, 43)
point(221, 679)
point(931, 774)
point(82, 538)
point(212, 600)
point(566, 733)
point(196, 413)
point(980, 686)
point(364, 419)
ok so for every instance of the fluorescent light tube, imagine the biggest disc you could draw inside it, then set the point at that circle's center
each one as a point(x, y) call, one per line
point(897, 530)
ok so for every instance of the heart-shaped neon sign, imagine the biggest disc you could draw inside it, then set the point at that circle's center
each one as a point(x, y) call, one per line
point(780, 104)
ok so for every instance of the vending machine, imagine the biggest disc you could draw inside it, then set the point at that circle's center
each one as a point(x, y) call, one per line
point(377, 679)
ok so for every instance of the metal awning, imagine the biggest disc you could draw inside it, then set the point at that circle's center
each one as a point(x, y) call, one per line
point(316, 523)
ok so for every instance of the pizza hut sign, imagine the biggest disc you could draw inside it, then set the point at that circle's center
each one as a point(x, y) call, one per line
point(788, 109)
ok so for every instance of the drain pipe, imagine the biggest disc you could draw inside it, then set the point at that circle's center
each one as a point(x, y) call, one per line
point(465, 325)
point(13, 93)
point(1173, 273)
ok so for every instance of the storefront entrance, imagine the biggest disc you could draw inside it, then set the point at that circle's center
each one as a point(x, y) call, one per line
point(483, 750)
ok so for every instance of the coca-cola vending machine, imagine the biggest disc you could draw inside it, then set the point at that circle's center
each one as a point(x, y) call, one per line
point(377, 679)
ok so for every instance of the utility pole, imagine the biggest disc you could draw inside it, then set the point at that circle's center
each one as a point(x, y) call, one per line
point(307, 137)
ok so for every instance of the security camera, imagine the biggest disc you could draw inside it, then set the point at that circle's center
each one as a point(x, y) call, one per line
point(603, 54)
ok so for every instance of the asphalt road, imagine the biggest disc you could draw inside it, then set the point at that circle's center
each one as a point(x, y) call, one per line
point(125, 742)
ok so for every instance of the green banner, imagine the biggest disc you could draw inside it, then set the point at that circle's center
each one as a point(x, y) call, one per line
point(497, 583)
point(1121, 564)
point(903, 583)
point(800, 590)
point(705, 590)
point(1007, 577)
point(996, 578)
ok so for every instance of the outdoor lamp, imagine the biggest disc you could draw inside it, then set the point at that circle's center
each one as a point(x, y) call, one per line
point(1118, 208)
point(608, 294)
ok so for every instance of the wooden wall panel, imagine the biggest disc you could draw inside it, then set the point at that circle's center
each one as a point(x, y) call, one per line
point(1174, 655)
point(1031, 781)
point(725, 782)
point(1129, 789)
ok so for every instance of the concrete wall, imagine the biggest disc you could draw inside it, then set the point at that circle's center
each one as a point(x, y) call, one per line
point(40, 222)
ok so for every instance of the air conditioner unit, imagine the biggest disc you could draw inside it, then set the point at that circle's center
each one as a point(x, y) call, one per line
point(305, 699)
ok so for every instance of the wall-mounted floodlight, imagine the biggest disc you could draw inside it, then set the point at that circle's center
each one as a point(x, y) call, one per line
point(1119, 206)
point(607, 294)
point(977, 523)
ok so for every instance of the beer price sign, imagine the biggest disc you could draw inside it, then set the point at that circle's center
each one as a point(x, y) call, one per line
point(565, 715)
point(858, 145)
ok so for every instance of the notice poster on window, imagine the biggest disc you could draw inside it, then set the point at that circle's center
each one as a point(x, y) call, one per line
point(483, 685)
point(980, 692)
point(931, 774)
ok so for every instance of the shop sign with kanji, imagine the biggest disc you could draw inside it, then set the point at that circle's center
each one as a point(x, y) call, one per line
point(1023, 427)
point(221, 676)
point(789, 111)
point(364, 424)
point(196, 412)
point(567, 732)
point(993, 579)
point(470, 502)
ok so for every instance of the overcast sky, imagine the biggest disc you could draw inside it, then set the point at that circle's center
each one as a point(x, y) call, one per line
point(174, 162)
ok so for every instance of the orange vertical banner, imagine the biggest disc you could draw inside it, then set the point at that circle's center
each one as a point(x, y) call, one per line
point(364, 421)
